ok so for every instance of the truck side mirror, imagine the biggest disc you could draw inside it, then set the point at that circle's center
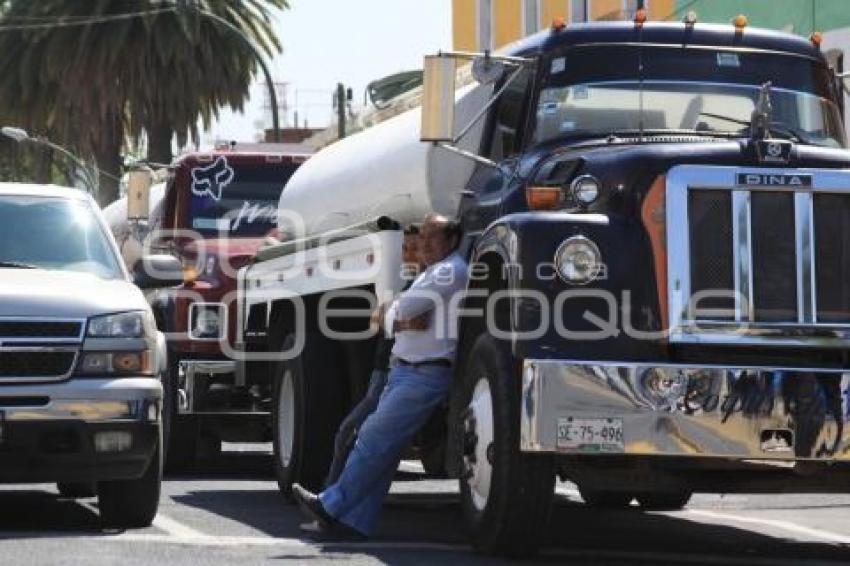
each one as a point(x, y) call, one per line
point(438, 98)
point(139, 181)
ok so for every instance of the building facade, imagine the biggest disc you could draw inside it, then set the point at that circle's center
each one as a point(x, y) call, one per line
point(490, 24)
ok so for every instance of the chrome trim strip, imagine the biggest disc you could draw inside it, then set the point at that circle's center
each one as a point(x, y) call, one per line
point(805, 250)
point(742, 252)
point(812, 260)
point(41, 340)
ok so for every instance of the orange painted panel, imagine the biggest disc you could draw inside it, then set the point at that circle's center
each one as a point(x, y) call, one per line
point(464, 14)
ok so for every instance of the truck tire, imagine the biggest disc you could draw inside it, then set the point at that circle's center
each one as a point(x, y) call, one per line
point(132, 504)
point(310, 401)
point(77, 489)
point(180, 432)
point(664, 500)
point(506, 495)
point(605, 499)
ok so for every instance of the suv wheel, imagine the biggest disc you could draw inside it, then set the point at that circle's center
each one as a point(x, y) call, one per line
point(128, 504)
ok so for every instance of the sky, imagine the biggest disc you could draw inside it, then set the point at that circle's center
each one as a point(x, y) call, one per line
point(349, 41)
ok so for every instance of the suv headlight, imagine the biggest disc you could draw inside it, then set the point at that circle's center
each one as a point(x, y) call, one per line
point(122, 325)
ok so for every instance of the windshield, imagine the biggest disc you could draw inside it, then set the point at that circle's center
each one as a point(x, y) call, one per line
point(700, 90)
point(237, 200)
point(54, 233)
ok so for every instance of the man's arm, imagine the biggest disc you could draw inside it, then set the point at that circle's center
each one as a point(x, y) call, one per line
point(438, 285)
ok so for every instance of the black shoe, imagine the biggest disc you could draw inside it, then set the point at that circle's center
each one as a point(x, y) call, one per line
point(311, 506)
point(338, 532)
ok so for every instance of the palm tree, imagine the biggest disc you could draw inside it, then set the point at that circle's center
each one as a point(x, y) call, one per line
point(95, 84)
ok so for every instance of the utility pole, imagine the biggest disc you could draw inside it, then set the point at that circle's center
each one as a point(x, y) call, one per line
point(341, 99)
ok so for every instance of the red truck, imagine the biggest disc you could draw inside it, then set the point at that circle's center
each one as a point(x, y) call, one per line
point(213, 213)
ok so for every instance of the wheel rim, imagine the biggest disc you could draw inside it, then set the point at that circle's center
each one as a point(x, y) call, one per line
point(286, 418)
point(479, 444)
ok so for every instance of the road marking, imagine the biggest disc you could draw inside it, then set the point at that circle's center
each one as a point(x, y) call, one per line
point(177, 529)
point(775, 523)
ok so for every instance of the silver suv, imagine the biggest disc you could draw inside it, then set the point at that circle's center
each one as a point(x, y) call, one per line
point(80, 356)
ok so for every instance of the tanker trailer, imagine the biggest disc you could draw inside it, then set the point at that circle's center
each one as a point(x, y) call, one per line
point(341, 217)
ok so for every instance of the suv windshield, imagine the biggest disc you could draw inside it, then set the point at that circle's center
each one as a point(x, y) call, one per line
point(705, 91)
point(241, 202)
point(54, 233)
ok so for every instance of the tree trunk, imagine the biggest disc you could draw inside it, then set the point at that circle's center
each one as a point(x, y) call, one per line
point(107, 152)
point(160, 135)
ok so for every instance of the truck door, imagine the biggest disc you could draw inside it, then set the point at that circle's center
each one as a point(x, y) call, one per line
point(503, 143)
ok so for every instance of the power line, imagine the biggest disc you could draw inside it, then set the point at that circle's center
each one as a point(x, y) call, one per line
point(84, 20)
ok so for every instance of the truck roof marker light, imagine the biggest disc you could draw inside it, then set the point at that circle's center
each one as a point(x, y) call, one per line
point(542, 198)
point(558, 23)
point(690, 18)
point(816, 38)
point(740, 22)
point(640, 16)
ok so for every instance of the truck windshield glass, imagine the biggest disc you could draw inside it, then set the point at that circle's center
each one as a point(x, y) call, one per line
point(244, 206)
point(54, 233)
point(700, 90)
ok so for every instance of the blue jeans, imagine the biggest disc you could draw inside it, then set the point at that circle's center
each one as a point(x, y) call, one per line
point(411, 395)
point(348, 430)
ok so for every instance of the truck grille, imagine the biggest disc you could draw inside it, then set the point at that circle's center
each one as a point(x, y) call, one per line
point(758, 255)
point(763, 257)
point(40, 330)
point(36, 364)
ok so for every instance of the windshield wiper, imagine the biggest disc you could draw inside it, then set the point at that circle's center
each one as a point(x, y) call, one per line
point(781, 129)
point(17, 265)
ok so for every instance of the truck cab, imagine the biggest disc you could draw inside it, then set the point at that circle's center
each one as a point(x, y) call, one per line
point(657, 219)
point(216, 210)
point(81, 360)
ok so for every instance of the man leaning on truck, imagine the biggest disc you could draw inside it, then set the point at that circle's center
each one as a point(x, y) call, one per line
point(418, 382)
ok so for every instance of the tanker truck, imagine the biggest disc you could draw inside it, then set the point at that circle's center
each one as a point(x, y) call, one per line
point(657, 220)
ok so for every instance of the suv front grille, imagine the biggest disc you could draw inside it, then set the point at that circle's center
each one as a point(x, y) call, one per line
point(36, 364)
point(40, 330)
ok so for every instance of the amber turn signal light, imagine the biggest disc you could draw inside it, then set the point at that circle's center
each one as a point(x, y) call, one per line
point(543, 198)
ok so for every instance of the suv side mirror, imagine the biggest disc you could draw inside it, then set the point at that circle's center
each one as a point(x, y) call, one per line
point(139, 181)
point(158, 271)
point(438, 98)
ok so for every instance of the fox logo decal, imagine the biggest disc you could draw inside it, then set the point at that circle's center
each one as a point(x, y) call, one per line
point(212, 179)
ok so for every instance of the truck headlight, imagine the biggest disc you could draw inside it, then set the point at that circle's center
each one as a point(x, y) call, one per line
point(121, 325)
point(585, 189)
point(578, 260)
point(207, 321)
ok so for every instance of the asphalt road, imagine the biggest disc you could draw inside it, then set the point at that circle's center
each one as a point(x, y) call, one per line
point(233, 514)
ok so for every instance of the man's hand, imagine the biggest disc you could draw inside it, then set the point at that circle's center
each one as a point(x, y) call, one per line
point(376, 321)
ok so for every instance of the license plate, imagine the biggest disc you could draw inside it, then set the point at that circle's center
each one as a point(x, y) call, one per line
point(590, 435)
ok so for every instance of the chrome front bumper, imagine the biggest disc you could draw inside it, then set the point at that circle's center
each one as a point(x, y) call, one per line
point(672, 410)
point(86, 400)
